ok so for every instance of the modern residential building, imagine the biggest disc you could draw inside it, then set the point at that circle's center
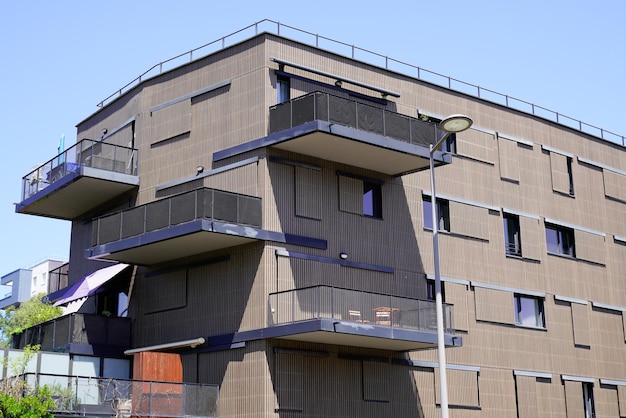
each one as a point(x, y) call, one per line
point(22, 284)
point(263, 211)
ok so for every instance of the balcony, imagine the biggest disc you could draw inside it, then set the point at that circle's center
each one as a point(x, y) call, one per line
point(348, 132)
point(79, 333)
point(178, 226)
point(108, 397)
point(81, 178)
point(332, 315)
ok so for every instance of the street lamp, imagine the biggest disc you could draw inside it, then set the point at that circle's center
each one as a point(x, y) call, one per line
point(451, 124)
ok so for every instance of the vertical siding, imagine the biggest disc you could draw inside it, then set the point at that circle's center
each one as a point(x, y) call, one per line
point(456, 294)
point(532, 238)
point(580, 321)
point(614, 185)
point(308, 193)
point(476, 144)
point(574, 404)
point(590, 247)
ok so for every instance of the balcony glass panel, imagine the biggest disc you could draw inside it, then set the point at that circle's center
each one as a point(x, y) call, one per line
point(86, 153)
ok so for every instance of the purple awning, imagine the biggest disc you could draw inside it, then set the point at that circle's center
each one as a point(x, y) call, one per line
point(88, 285)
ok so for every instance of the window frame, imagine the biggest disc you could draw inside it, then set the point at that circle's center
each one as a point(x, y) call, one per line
point(372, 199)
point(560, 240)
point(521, 314)
point(512, 235)
point(443, 213)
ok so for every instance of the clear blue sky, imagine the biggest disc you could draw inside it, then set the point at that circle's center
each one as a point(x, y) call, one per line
point(60, 58)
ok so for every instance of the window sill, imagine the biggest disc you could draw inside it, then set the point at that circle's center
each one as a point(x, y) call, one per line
point(531, 327)
point(569, 257)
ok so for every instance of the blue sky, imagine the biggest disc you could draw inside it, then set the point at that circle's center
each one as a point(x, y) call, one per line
point(59, 59)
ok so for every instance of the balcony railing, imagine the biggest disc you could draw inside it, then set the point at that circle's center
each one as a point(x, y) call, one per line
point(326, 302)
point(342, 111)
point(77, 329)
point(86, 153)
point(107, 397)
point(202, 203)
point(58, 278)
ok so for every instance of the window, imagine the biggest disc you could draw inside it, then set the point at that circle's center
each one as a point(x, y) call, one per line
point(512, 242)
point(430, 290)
point(283, 89)
point(529, 311)
point(570, 176)
point(372, 200)
point(443, 214)
point(590, 410)
point(360, 196)
point(560, 240)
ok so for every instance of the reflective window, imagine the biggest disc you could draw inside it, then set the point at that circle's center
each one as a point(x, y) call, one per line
point(529, 311)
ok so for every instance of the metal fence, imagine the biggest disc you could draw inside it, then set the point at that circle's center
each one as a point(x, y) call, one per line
point(342, 111)
point(97, 396)
point(203, 203)
point(86, 153)
point(357, 306)
point(372, 58)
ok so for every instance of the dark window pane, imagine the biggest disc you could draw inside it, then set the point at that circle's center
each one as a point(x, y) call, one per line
point(372, 200)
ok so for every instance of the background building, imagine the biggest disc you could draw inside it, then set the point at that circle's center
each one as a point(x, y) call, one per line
point(272, 202)
point(21, 284)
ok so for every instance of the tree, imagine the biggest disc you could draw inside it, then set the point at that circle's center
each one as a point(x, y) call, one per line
point(29, 313)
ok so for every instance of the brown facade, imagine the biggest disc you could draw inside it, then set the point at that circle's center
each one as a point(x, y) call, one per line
point(541, 319)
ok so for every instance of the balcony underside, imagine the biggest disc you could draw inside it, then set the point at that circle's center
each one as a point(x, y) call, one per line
point(345, 145)
point(77, 193)
point(346, 333)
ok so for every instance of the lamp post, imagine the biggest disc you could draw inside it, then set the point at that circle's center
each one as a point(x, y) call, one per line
point(451, 124)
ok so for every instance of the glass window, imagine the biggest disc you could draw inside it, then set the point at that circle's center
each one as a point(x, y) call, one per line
point(590, 409)
point(529, 311)
point(512, 242)
point(283, 89)
point(430, 290)
point(571, 177)
point(372, 200)
point(443, 214)
point(560, 240)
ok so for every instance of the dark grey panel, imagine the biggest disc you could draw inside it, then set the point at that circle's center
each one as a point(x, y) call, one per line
point(133, 222)
point(280, 117)
point(157, 215)
point(370, 119)
point(397, 126)
point(109, 228)
point(183, 208)
point(342, 111)
point(423, 133)
point(224, 206)
point(303, 110)
point(250, 211)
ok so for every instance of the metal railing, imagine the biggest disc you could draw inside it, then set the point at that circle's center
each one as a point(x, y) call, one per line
point(86, 153)
point(98, 396)
point(347, 112)
point(372, 58)
point(204, 203)
point(318, 302)
point(76, 328)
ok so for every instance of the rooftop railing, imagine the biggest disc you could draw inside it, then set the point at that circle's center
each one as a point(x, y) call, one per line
point(86, 153)
point(372, 58)
point(109, 397)
point(327, 302)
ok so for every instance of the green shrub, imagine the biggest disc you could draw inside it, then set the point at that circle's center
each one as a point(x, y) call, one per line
point(29, 406)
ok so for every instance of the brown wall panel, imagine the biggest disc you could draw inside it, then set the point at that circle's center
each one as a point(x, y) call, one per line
point(509, 159)
point(494, 305)
point(530, 235)
point(476, 144)
point(469, 220)
point(590, 247)
point(526, 396)
point(614, 185)
point(560, 175)
point(574, 404)
point(462, 387)
point(580, 321)
point(308, 193)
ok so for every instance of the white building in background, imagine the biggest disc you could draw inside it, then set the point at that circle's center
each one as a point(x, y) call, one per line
point(22, 284)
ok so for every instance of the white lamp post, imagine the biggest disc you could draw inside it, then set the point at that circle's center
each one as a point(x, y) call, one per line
point(450, 125)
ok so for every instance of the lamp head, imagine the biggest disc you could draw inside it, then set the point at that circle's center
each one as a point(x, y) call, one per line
point(456, 123)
